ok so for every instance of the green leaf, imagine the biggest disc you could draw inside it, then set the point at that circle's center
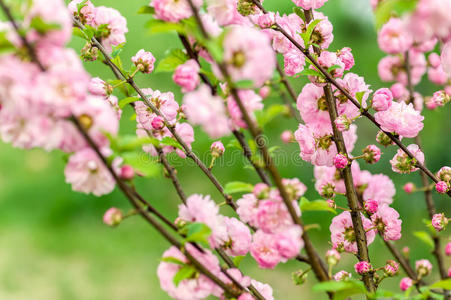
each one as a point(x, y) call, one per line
point(81, 5)
point(299, 12)
point(117, 50)
point(198, 233)
point(90, 31)
point(128, 100)
point(168, 141)
point(146, 10)
point(359, 96)
point(311, 72)
point(80, 33)
point(42, 27)
point(425, 238)
point(267, 115)
point(334, 67)
point(142, 163)
point(442, 284)
point(173, 260)
point(342, 289)
point(158, 26)
point(237, 260)
point(5, 44)
point(186, 272)
point(238, 187)
point(244, 84)
point(388, 8)
point(174, 58)
point(316, 205)
point(307, 35)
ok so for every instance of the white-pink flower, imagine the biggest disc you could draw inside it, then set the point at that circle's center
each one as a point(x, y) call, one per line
point(309, 4)
point(394, 38)
point(402, 119)
point(115, 23)
point(187, 75)
point(402, 163)
point(173, 10)
point(264, 250)
point(387, 222)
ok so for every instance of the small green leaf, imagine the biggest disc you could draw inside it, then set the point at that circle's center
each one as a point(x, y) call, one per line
point(146, 10)
point(237, 260)
point(442, 284)
point(80, 33)
point(238, 187)
point(158, 26)
point(311, 72)
point(267, 115)
point(81, 5)
point(307, 35)
point(316, 205)
point(198, 233)
point(142, 163)
point(388, 8)
point(244, 84)
point(42, 27)
point(174, 58)
point(5, 44)
point(359, 96)
point(90, 31)
point(128, 100)
point(334, 67)
point(425, 238)
point(173, 260)
point(117, 50)
point(342, 289)
point(168, 141)
point(185, 272)
point(299, 12)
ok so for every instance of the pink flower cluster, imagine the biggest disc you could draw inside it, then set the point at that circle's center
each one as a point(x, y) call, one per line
point(277, 238)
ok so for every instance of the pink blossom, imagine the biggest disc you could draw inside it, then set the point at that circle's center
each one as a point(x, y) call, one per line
point(157, 123)
point(201, 108)
point(340, 161)
point(387, 221)
point(292, 24)
point(224, 12)
point(289, 242)
point(382, 99)
point(251, 102)
point(287, 136)
point(399, 91)
point(294, 187)
point(401, 163)
point(346, 57)
point(186, 75)
point(393, 37)
point(196, 288)
point(353, 84)
point(247, 208)
point(439, 221)
point(312, 105)
point(423, 267)
point(332, 257)
point(362, 267)
point(98, 87)
point(439, 98)
point(372, 154)
point(342, 123)
point(441, 187)
point(323, 33)
point(239, 237)
point(264, 250)
point(342, 232)
point(272, 216)
point(217, 148)
point(437, 75)
point(401, 119)
point(264, 289)
point(392, 68)
point(328, 59)
point(342, 276)
point(264, 91)
point(144, 61)
point(380, 188)
point(408, 187)
point(173, 10)
point(87, 173)
point(266, 20)
point(112, 217)
point(244, 50)
point(446, 58)
point(294, 62)
point(116, 26)
point(444, 174)
point(405, 283)
point(391, 268)
point(86, 13)
point(309, 4)
point(371, 206)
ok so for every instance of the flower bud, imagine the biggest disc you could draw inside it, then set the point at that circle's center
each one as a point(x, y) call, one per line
point(448, 249)
point(261, 191)
point(444, 174)
point(157, 123)
point(217, 149)
point(423, 267)
point(340, 161)
point(299, 277)
point(391, 268)
point(112, 217)
point(405, 284)
point(383, 139)
point(371, 206)
point(144, 61)
point(328, 190)
point(441, 187)
point(264, 91)
point(449, 272)
point(362, 267)
point(127, 172)
point(89, 53)
point(406, 251)
point(99, 87)
point(342, 276)
point(331, 203)
point(246, 7)
point(371, 154)
point(332, 257)
point(287, 136)
point(266, 20)
point(408, 187)
point(439, 221)
point(342, 123)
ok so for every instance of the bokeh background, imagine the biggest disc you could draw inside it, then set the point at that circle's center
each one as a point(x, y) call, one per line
point(53, 244)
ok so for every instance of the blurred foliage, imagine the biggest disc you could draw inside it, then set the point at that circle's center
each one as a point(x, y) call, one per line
point(53, 242)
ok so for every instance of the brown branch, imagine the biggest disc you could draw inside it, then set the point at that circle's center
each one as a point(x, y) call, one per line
point(172, 174)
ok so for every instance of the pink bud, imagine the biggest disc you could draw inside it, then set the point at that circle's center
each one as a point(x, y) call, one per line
point(266, 20)
point(144, 61)
point(217, 149)
point(449, 272)
point(372, 154)
point(408, 187)
point(441, 187)
point(371, 206)
point(406, 251)
point(342, 275)
point(112, 217)
point(439, 221)
point(264, 91)
point(342, 123)
point(346, 57)
point(391, 268)
point(405, 284)
point(340, 161)
point(448, 249)
point(382, 99)
point(287, 136)
point(157, 123)
point(423, 267)
point(331, 203)
point(127, 172)
point(434, 60)
point(362, 267)
point(332, 257)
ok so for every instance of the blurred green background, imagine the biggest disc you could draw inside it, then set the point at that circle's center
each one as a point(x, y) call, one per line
point(53, 244)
